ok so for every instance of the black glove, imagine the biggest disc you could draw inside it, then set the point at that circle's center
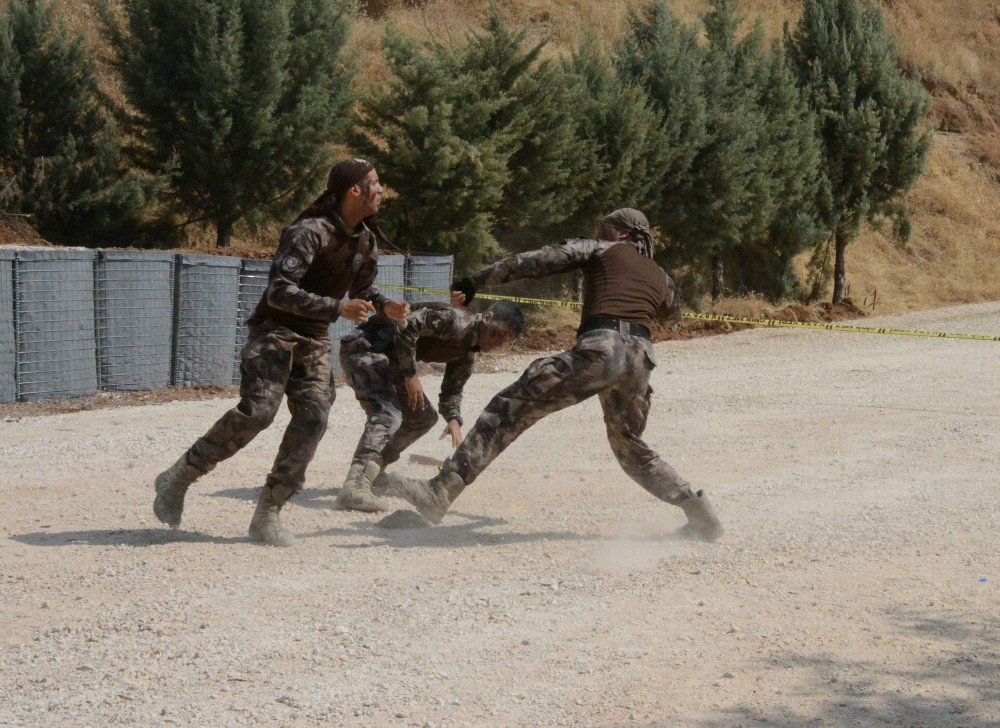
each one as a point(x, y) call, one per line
point(466, 286)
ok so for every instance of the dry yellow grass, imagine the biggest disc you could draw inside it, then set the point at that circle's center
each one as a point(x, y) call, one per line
point(954, 255)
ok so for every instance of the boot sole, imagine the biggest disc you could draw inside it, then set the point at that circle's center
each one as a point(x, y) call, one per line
point(361, 507)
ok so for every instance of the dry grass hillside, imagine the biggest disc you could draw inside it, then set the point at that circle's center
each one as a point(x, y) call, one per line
point(954, 255)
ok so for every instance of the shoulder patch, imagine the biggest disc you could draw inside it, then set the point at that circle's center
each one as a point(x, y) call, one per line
point(290, 264)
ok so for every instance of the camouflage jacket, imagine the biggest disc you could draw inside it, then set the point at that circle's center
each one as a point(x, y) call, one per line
point(638, 285)
point(440, 334)
point(318, 261)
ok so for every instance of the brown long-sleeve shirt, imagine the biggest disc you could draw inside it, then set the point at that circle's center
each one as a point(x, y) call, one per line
point(618, 281)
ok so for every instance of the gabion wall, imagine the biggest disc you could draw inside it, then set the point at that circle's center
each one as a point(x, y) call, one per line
point(73, 321)
point(134, 307)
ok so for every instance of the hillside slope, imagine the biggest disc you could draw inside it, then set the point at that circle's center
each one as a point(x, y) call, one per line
point(954, 255)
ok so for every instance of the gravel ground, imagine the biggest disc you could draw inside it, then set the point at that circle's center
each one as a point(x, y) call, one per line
point(857, 584)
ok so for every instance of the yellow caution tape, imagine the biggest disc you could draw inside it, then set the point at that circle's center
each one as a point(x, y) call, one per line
point(770, 323)
point(491, 296)
point(835, 327)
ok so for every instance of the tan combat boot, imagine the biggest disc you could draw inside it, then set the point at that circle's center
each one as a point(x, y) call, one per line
point(265, 526)
point(432, 498)
point(171, 486)
point(702, 521)
point(356, 493)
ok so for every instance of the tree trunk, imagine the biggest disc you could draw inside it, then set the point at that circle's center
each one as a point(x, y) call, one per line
point(717, 276)
point(223, 234)
point(839, 270)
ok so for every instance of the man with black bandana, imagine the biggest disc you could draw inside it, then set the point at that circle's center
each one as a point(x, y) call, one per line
point(624, 292)
point(328, 251)
point(379, 360)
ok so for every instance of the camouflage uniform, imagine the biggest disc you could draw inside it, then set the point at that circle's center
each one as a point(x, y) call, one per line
point(615, 365)
point(288, 350)
point(287, 353)
point(624, 290)
point(380, 354)
point(274, 362)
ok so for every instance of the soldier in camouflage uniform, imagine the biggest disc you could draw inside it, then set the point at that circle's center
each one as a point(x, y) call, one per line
point(329, 251)
point(379, 360)
point(624, 292)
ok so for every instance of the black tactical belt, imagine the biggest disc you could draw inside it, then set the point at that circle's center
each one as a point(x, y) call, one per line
point(623, 327)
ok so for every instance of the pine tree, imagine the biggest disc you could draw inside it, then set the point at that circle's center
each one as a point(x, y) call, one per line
point(871, 118)
point(537, 123)
point(546, 183)
point(59, 161)
point(432, 132)
point(478, 139)
point(661, 54)
point(626, 144)
point(240, 98)
point(731, 202)
point(792, 152)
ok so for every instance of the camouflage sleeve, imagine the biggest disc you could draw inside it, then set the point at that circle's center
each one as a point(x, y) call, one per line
point(547, 261)
point(295, 253)
point(436, 305)
point(456, 374)
point(363, 283)
point(669, 312)
point(443, 323)
point(405, 340)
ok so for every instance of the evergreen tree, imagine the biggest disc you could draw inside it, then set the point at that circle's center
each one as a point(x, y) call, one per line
point(433, 133)
point(732, 202)
point(871, 129)
point(478, 139)
point(626, 147)
point(661, 54)
point(792, 151)
point(547, 184)
point(240, 98)
point(59, 161)
point(537, 123)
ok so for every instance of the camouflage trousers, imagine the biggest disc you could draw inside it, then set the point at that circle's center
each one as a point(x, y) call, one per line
point(613, 366)
point(390, 426)
point(275, 362)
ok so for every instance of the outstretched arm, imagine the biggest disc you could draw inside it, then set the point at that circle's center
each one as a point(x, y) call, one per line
point(547, 261)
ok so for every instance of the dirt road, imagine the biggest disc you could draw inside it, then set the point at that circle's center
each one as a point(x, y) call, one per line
point(857, 585)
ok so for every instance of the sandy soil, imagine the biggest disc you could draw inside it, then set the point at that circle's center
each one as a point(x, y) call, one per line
point(857, 585)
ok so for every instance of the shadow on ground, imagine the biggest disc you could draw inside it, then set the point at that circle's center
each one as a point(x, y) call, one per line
point(957, 687)
point(470, 530)
point(320, 499)
point(122, 537)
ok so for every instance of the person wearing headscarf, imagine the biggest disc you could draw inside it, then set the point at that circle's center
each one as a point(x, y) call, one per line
point(624, 292)
point(329, 251)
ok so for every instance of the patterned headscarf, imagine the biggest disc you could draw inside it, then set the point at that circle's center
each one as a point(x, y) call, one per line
point(634, 223)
